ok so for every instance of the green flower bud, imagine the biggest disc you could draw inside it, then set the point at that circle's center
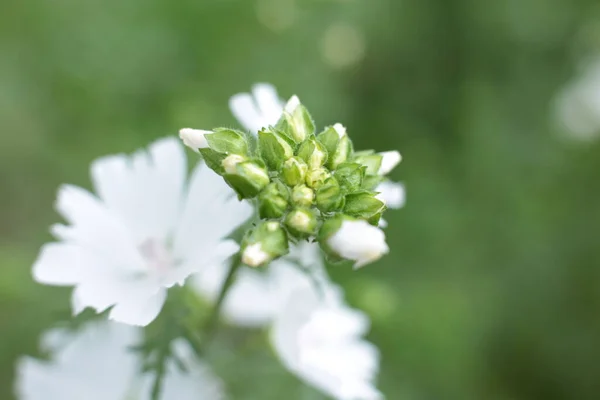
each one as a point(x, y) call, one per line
point(350, 176)
point(370, 182)
point(296, 122)
point(230, 163)
point(329, 196)
point(294, 171)
point(371, 161)
point(303, 196)
point(227, 141)
point(316, 177)
point(273, 201)
point(248, 179)
point(264, 243)
point(337, 143)
point(364, 205)
point(274, 148)
point(313, 152)
point(302, 223)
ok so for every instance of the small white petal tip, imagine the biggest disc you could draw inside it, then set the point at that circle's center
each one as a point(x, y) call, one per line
point(389, 161)
point(340, 130)
point(292, 104)
point(194, 138)
point(254, 255)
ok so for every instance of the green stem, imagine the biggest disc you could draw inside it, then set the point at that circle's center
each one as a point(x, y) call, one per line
point(213, 319)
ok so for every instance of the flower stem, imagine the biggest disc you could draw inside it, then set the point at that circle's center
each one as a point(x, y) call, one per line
point(213, 320)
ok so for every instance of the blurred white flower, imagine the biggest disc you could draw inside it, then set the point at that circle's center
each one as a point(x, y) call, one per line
point(389, 161)
point(359, 241)
point(258, 294)
point(318, 338)
point(97, 363)
point(258, 109)
point(578, 104)
point(145, 232)
point(393, 194)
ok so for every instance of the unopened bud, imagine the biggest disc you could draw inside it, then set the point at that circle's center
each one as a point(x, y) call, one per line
point(364, 205)
point(302, 222)
point(248, 178)
point(230, 163)
point(296, 122)
point(303, 196)
point(294, 171)
point(227, 141)
point(274, 148)
point(313, 152)
point(350, 176)
point(272, 201)
point(264, 243)
point(370, 160)
point(329, 196)
point(316, 177)
point(194, 138)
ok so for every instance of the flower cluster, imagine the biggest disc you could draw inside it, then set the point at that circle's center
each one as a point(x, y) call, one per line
point(306, 185)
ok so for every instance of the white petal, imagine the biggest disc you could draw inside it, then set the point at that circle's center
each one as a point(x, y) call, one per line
point(392, 194)
point(211, 211)
point(145, 189)
point(94, 227)
point(197, 382)
point(246, 112)
point(389, 161)
point(60, 264)
point(268, 102)
point(359, 241)
point(195, 139)
point(93, 364)
point(139, 311)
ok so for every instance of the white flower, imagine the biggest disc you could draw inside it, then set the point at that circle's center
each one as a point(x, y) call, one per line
point(389, 161)
point(318, 338)
point(258, 109)
point(145, 232)
point(258, 295)
point(292, 104)
point(578, 104)
point(194, 138)
point(359, 241)
point(97, 363)
point(392, 194)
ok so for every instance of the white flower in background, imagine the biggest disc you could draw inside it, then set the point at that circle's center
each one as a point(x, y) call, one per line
point(194, 138)
point(392, 194)
point(258, 109)
point(145, 232)
point(578, 104)
point(97, 363)
point(258, 294)
point(389, 161)
point(318, 338)
point(359, 241)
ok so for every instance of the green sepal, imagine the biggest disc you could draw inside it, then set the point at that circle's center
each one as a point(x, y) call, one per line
point(329, 196)
point(350, 176)
point(227, 141)
point(363, 205)
point(302, 223)
point(274, 149)
point(213, 160)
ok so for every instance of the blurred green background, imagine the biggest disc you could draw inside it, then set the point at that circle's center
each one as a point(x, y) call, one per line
point(492, 288)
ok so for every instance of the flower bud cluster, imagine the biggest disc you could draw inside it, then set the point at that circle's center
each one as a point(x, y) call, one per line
point(304, 183)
